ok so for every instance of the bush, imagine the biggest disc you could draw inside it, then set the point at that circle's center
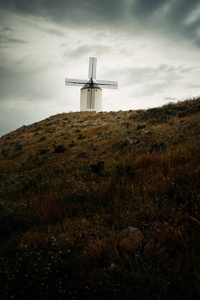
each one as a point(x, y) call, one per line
point(97, 167)
point(59, 149)
point(18, 146)
point(43, 138)
point(4, 153)
point(142, 126)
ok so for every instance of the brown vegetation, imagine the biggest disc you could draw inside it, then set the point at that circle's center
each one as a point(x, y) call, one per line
point(69, 185)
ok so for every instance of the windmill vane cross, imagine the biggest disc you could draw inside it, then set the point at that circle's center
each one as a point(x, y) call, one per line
point(91, 92)
point(92, 75)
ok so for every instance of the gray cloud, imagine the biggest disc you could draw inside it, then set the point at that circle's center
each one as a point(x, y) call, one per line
point(6, 29)
point(56, 32)
point(164, 73)
point(197, 43)
point(170, 99)
point(150, 81)
point(17, 82)
point(78, 52)
point(71, 11)
point(179, 13)
point(6, 40)
point(11, 83)
point(160, 17)
point(53, 31)
point(163, 16)
point(85, 49)
point(145, 8)
point(7, 36)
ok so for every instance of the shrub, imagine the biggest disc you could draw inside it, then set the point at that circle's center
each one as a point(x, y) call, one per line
point(72, 144)
point(4, 153)
point(60, 149)
point(43, 138)
point(18, 146)
point(80, 137)
point(141, 126)
point(97, 167)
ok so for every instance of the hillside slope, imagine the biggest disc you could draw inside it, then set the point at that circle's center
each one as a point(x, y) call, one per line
point(70, 184)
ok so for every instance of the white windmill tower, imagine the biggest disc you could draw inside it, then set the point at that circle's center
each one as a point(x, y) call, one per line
point(91, 92)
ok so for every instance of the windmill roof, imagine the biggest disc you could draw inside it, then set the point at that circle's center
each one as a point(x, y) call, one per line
point(92, 85)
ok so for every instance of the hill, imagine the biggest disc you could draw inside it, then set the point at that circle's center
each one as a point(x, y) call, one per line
point(71, 184)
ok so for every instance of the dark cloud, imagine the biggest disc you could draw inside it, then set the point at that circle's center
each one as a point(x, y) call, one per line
point(71, 11)
point(197, 43)
point(175, 12)
point(178, 15)
point(166, 16)
point(181, 9)
point(6, 29)
point(145, 8)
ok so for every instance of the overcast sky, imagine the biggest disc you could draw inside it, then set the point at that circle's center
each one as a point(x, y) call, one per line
point(151, 47)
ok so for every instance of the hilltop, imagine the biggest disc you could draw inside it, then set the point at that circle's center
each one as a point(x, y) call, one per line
point(70, 185)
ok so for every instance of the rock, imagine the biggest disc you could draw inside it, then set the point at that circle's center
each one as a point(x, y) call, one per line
point(130, 239)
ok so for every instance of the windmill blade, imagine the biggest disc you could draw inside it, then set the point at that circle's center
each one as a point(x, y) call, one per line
point(92, 67)
point(74, 82)
point(107, 84)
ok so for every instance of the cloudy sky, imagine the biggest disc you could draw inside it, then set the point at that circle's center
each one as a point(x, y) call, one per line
point(151, 47)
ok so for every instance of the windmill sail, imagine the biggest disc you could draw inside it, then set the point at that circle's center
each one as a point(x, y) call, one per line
point(92, 67)
point(91, 90)
point(76, 82)
point(107, 84)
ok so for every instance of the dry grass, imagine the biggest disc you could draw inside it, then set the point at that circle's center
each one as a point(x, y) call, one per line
point(62, 211)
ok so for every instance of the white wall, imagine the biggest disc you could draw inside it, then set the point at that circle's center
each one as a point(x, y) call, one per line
point(97, 94)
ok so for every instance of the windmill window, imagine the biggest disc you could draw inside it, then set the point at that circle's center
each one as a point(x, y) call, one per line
point(96, 90)
point(88, 90)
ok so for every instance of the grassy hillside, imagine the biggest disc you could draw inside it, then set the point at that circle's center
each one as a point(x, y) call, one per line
point(70, 184)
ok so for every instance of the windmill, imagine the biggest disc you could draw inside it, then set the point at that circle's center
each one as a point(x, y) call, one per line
point(91, 92)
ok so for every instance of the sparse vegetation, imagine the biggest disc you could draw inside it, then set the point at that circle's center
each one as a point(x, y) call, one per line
point(65, 201)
